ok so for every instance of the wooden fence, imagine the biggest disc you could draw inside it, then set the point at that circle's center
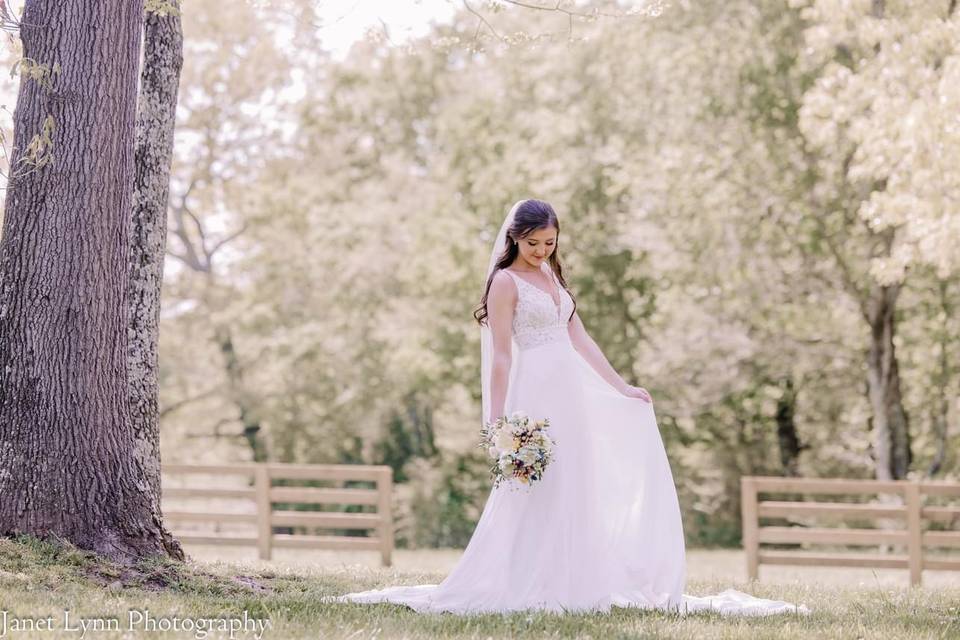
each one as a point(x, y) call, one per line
point(900, 502)
point(256, 488)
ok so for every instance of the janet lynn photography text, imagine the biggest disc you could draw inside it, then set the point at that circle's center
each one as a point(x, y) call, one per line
point(140, 620)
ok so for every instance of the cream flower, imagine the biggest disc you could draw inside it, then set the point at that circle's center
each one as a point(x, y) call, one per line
point(527, 455)
point(504, 441)
point(517, 428)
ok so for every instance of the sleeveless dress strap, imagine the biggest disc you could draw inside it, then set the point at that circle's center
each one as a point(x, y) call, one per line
point(512, 275)
point(553, 274)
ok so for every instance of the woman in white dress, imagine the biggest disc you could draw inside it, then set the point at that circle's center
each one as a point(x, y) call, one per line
point(602, 528)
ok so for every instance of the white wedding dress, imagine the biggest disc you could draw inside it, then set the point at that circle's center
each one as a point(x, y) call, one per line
point(602, 528)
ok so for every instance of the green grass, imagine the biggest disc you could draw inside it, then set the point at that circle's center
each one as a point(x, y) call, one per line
point(39, 579)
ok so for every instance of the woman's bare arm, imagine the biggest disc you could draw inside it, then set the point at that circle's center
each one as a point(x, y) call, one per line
point(588, 348)
point(500, 305)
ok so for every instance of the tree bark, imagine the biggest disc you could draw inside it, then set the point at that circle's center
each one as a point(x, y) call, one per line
point(940, 409)
point(787, 438)
point(153, 153)
point(249, 416)
point(200, 258)
point(891, 433)
point(67, 462)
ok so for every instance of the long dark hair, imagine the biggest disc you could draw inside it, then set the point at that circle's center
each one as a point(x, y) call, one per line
point(529, 216)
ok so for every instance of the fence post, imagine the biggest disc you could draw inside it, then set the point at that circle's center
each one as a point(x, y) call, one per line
point(914, 531)
point(385, 510)
point(264, 511)
point(748, 516)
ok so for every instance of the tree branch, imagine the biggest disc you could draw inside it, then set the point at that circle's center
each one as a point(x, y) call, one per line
point(849, 282)
point(186, 260)
point(191, 258)
point(227, 239)
point(181, 403)
point(557, 8)
point(199, 226)
point(653, 9)
point(482, 21)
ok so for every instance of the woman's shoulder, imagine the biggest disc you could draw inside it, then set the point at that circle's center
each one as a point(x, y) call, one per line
point(503, 284)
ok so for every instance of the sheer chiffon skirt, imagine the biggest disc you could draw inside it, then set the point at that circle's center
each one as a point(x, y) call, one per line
point(601, 529)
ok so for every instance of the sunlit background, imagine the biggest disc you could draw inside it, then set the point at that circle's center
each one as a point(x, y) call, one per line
point(759, 210)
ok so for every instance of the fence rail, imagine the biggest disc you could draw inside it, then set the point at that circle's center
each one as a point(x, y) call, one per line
point(909, 508)
point(253, 505)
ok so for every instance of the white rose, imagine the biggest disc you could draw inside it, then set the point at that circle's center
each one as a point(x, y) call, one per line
point(506, 463)
point(504, 441)
point(527, 456)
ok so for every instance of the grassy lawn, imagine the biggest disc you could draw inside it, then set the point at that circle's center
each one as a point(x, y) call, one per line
point(39, 579)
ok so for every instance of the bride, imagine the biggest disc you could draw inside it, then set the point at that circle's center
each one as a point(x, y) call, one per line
point(602, 528)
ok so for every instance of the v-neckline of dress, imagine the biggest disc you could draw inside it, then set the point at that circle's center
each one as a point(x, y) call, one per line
point(546, 293)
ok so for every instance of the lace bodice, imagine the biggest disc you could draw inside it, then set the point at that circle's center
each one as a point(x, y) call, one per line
point(537, 319)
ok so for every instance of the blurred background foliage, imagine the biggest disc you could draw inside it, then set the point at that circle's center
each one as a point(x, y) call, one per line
point(754, 195)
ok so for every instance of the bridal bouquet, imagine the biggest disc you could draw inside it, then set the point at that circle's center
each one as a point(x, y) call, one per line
point(520, 448)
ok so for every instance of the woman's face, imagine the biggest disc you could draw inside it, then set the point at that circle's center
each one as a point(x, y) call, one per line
point(537, 246)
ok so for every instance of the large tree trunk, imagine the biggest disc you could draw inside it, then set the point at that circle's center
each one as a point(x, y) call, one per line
point(891, 433)
point(67, 462)
point(153, 153)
